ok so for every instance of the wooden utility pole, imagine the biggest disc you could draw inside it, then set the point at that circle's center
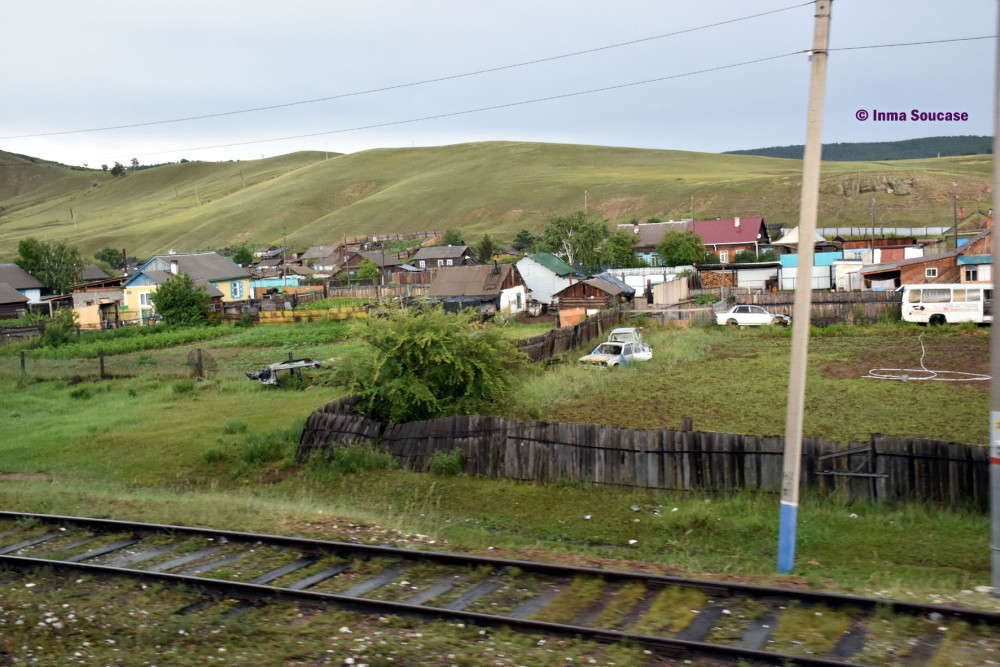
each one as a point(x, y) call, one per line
point(803, 292)
point(995, 352)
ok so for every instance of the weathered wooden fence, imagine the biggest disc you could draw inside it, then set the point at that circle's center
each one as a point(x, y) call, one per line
point(545, 346)
point(849, 307)
point(376, 292)
point(883, 469)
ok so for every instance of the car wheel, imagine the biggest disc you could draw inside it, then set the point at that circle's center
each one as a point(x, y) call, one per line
point(732, 322)
point(780, 321)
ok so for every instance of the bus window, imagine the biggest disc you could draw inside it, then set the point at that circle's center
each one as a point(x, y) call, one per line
point(936, 296)
point(973, 294)
point(914, 296)
point(958, 296)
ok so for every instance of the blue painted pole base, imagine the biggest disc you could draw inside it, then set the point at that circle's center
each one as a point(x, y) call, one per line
point(786, 537)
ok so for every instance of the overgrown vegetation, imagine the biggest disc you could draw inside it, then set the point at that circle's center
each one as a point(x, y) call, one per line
point(424, 363)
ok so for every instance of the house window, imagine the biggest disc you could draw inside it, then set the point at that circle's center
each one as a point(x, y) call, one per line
point(144, 299)
point(423, 263)
point(449, 262)
point(971, 274)
point(930, 272)
point(236, 289)
point(724, 256)
point(440, 262)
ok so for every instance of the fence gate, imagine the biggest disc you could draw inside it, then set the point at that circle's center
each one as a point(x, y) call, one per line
point(855, 467)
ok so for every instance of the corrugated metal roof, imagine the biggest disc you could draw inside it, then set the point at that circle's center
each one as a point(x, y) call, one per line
point(625, 288)
point(552, 263)
point(18, 278)
point(441, 252)
point(10, 295)
point(207, 265)
point(476, 280)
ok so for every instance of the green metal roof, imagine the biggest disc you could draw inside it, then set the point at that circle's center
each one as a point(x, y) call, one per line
point(552, 263)
point(975, 259)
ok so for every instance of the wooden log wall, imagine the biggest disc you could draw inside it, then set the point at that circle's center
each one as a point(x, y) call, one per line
point(887, 469)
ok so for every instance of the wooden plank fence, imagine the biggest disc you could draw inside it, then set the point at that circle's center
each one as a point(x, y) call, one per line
point(290, 316)
point(886, 468)
point(828, 307)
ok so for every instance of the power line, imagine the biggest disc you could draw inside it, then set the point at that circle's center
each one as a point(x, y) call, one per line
point(934, 41)
point(489, 108)
point(416, 83)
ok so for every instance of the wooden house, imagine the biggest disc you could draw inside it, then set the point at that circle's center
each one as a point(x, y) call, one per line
point(488, 288)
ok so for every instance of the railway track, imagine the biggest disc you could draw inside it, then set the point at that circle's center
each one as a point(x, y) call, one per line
point(673, 617)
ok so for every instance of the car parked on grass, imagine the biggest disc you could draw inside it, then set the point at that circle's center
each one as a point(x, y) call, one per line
point(748, 316)
point(613, 354)
point(640, 348)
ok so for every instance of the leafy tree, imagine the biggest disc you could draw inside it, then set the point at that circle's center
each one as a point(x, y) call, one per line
point(680, 248)
point(118, 169)
point(180, 301)
point(487, 248)
point(618, 251)
point(524, 240)
point(453, 236)
point(110, 256)
point(744, 257)
point(575, 237)
point(104, 167)
point(367, 270)
point(424, 363)
point(243, 256)
point(56, 265)
point(768, 255)
point(135, 163)
point(711, 258)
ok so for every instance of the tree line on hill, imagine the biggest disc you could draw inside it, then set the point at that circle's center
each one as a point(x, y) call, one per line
point(908, 149)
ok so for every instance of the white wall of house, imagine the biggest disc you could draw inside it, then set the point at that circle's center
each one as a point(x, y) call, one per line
point(756, 278)
point(34, 295)
point(541, 281)
point(822, 277)
point(847, 274)
point(636, 278)
point(513, 300)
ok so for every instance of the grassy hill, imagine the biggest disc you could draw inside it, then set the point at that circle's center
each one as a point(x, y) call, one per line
point(907, 149)
point(496, 187)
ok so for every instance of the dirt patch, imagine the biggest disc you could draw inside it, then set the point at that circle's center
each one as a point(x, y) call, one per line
point(24, 477)
point(966, 352)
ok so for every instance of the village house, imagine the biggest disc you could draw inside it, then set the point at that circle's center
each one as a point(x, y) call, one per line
point(487, 288)
point(97, 302)
point(232, 281)
point(22, 281)
point(13, 304)
point(589, 297)
point(970, 262)
point(445, 255)
point(724, 237)
point(544, 274)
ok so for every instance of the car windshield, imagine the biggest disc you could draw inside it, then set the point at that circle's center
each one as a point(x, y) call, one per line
point(609, 348)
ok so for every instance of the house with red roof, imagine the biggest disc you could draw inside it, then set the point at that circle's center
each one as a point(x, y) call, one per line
point(724, 237)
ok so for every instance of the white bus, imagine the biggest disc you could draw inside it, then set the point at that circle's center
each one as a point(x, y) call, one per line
point(940, 303)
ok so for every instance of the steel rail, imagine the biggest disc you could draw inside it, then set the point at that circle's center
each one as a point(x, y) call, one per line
point(715, 588)
point(676, 648)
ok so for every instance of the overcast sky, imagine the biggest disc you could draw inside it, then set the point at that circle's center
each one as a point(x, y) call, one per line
point(68, 65)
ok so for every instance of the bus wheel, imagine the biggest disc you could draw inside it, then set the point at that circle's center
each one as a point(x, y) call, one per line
point(937, 319)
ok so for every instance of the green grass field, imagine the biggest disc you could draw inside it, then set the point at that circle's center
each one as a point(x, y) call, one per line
point(161, 447)
point(494, 187)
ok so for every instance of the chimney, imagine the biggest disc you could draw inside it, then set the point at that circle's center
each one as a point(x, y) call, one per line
point(736, 222)
point(496, 268)
point(124, 262)
point(173, 267)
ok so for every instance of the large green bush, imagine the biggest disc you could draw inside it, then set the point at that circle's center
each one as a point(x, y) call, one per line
point(424, 363)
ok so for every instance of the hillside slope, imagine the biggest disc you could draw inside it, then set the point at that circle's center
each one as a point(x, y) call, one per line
point(496, 187)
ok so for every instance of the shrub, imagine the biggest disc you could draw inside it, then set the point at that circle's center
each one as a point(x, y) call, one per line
point(234, 426)
point(446, 463)
point(354, 459)
point(425, 363)
point(182, 387)
point(80, 393)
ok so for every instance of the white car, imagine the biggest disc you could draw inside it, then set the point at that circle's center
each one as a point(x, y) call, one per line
point(748, 316)
point(612, 354)
point(640, 348)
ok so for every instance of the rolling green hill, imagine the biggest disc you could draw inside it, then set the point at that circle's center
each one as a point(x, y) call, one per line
point(496, 187)
point(907, 149)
